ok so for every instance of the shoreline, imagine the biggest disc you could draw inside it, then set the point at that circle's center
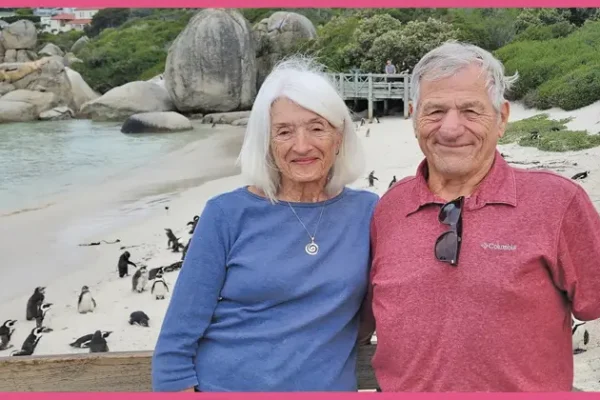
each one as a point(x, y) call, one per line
point(391, 150)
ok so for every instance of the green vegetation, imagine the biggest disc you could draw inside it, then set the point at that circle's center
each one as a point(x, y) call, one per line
point(552, 135)
point(136, 50)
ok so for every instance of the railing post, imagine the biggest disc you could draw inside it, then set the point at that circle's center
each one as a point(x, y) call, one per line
point(370, 98)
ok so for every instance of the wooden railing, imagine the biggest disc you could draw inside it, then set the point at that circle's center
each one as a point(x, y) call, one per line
point(373, 87)
point(109, 372)
point(112, 372)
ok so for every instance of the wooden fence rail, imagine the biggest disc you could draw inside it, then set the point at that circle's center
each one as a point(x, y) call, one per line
point(112, 372)
point(109, 372)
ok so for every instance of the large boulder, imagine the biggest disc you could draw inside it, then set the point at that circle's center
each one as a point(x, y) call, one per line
point(26, 105)
point(26, 56)
point(82, 92)
point(45, 75)
point(51, 49)
point(79, 44)
point(70, 59)
point(123, 101)
point(10, 56)
point(277, 36)
point(2, 49)
point(211, 66)
point(156, 122)
point(17, 111)
point(19, 35)
point(57, 114)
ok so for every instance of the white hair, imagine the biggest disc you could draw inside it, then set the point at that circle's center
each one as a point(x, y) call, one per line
point(453, 56)
point(302, 81)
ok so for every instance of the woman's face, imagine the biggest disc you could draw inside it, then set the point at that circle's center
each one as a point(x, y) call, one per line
point(303, 144)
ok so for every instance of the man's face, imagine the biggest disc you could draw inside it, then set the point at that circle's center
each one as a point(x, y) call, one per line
point(456, 124)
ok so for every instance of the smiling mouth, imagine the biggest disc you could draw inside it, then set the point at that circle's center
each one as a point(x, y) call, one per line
point(304, 161)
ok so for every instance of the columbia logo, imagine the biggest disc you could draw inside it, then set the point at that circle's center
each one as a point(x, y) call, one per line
point(496, 246)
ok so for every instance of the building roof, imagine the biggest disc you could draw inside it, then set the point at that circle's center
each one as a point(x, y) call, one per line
point(80, 21)
point(64, 17)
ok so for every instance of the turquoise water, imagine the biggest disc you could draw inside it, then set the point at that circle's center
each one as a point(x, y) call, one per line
point(42, 159)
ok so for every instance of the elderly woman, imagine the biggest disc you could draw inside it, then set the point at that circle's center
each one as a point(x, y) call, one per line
point(269, 295)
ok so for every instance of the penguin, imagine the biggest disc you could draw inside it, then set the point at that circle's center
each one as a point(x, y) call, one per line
point(579, 335)
point(98, 343)
point(392, 182)
point(139, 318)
point(32, 304)
point(139, 280)
point(6, 331)
point(84, 341)
point(159, 287)
point(372, 178)
point(193, 223)
point(580, 175)
point(30, 343)
point(44, 317)
point(368, 132)
point(86, 302)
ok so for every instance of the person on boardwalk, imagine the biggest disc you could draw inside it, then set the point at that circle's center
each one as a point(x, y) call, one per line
point(390, 68)
point(478, 267)
point(270, 291)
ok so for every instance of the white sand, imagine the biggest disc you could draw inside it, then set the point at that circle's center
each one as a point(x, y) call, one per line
point(391, 149)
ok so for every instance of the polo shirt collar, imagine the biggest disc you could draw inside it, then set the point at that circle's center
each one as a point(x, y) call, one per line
point(498, 187)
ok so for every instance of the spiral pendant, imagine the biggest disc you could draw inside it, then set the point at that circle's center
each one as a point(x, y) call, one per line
point(312, 248)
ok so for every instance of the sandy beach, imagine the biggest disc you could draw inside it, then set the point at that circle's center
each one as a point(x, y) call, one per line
point(391, 150)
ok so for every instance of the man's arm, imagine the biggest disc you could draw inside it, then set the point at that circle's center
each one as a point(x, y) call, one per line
point(577, 267)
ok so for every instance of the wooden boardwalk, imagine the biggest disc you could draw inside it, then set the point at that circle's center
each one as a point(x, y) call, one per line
point(373, 87)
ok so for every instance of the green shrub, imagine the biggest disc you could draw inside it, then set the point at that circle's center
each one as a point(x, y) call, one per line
point(553, 135)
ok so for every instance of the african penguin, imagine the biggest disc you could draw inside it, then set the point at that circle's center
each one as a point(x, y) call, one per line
point(139, 280)
point(579, 336)
point(84, 341)
point(98, 343)
point(30, 343)
point(153, 272)
point(139, 318)
point(6, 331)
point(32, 303)
point(159, 287)
point(44, 317)
point(86, 302)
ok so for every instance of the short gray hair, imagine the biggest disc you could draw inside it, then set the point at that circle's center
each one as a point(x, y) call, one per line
point(453, 56)
point(303, 81)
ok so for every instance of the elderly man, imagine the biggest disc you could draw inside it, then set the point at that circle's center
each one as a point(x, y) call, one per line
point(478, 267)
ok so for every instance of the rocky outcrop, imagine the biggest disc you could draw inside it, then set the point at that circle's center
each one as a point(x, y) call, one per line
point(277, 36)
point(81, 91)
point(20, 35)
point(3, 24)
point(156, 122)
point(17, 111)
point(45, 75)
point(123, 101)
point(211, 66)
point(25, 104)
point(51, 49)
point(79, 44)
point(2, 49)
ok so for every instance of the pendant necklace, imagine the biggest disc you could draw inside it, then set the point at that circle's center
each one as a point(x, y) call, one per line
point(312, 248)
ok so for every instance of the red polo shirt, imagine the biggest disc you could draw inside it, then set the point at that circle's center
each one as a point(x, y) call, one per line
point(501, 319)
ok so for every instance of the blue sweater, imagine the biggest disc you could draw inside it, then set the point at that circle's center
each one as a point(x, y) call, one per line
point(252, 311)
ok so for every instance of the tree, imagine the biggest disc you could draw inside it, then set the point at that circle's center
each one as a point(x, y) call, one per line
point(107, 18)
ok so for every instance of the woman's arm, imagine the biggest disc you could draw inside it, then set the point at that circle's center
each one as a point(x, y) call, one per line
point(192, 304)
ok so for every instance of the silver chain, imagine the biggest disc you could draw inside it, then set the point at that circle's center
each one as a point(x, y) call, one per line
point(312, 237)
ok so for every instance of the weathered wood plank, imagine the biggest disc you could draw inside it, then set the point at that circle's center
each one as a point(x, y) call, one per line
point(108, 372)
